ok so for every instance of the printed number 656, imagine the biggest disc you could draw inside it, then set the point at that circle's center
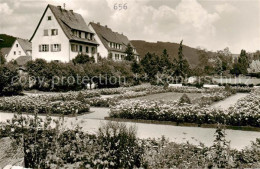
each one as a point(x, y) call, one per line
point(120, 6)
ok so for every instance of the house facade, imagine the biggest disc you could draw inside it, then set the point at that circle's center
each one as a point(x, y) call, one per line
point(112, 44)
point(20, 47)
point(61, 35)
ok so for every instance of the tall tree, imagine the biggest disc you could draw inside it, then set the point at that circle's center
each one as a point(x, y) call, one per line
point(129, 53)
point(243, 62)
point(165, 61)
point(182, 65)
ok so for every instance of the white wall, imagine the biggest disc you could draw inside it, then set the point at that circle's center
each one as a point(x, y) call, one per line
point(103, 52)
point(15, 52)
point(61, 38)
point(114, 56)
point(74, 54)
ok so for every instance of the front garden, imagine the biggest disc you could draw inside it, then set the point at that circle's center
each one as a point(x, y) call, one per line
point(116, 146)
point(244, 113)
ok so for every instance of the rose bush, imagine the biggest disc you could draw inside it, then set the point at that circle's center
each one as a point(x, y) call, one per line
point(245, 113)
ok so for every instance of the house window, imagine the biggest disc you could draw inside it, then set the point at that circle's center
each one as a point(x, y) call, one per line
point(14, 52)
point(17, 45)
point(86, 49)
point(54, 32)
point(19, 52)
point(79, 34)
point(45, 32)
point(74, 48)
point(93, 50)
point(49, 18)
point(80, 48)
point(44, 48)
point(116, 56)
point(56, 47)
point(122, 57)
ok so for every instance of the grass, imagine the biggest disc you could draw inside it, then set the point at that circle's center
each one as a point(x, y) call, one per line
point(170, 96)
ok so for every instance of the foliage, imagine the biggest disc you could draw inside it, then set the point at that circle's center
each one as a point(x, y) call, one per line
point(129, 53)
point(182, 65)
point(66, 103)
point(67, 76)
point(242, 65)
point(118, 147)
point(185, 99)
point(82, 59)
point(2, 58)
point(9, 85)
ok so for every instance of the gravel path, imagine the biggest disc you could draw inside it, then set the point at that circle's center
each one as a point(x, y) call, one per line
point(230, 101)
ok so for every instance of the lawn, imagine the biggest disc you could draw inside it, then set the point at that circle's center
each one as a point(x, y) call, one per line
point(170, 96)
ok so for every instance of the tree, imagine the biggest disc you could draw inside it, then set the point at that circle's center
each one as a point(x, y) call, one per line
point(205, 62)
point(242, 64)
point(182, 65)
point(136, 67)
point(82, 59)
point(129, 53)
point(164, 60)
point(150, 65)
point(2, 58)
point(256, 55)
point(224, 60)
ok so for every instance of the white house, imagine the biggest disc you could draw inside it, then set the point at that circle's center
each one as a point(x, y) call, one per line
point(61, 35)
point(111, 43)
point(20, 47)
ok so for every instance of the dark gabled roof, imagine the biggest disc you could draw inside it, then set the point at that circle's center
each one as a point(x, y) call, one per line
point(25, 44)
point(106, 35)
point(22, 60)
point(5, 51)
point(68, 20)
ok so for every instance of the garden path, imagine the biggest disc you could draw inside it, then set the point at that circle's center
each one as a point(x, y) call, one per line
point(230, 101)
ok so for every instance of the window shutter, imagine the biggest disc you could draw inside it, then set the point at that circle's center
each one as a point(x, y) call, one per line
point(47, 48)
point(52, 47)
point(40, 48)
point(59, 47)
point(56, 31)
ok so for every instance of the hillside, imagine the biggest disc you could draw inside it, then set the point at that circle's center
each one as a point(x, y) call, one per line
point(8, 40)
point(144, 47)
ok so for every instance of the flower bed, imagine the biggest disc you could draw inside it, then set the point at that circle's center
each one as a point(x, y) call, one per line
point(43, 104)
point(245, 113)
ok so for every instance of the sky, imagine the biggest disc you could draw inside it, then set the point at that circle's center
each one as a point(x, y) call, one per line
point(210, 24)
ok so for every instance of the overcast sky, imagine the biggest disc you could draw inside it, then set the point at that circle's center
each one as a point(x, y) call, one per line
point(210, 24)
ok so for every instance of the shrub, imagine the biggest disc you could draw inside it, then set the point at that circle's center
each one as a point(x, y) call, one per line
point(185, 99)
point(119, 147)
point(9, 85)
point(55, 76)
point(82, 59)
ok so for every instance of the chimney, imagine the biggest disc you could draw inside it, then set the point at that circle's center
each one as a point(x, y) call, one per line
point(106, 26)
point(98, 23)
point(59, 7)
